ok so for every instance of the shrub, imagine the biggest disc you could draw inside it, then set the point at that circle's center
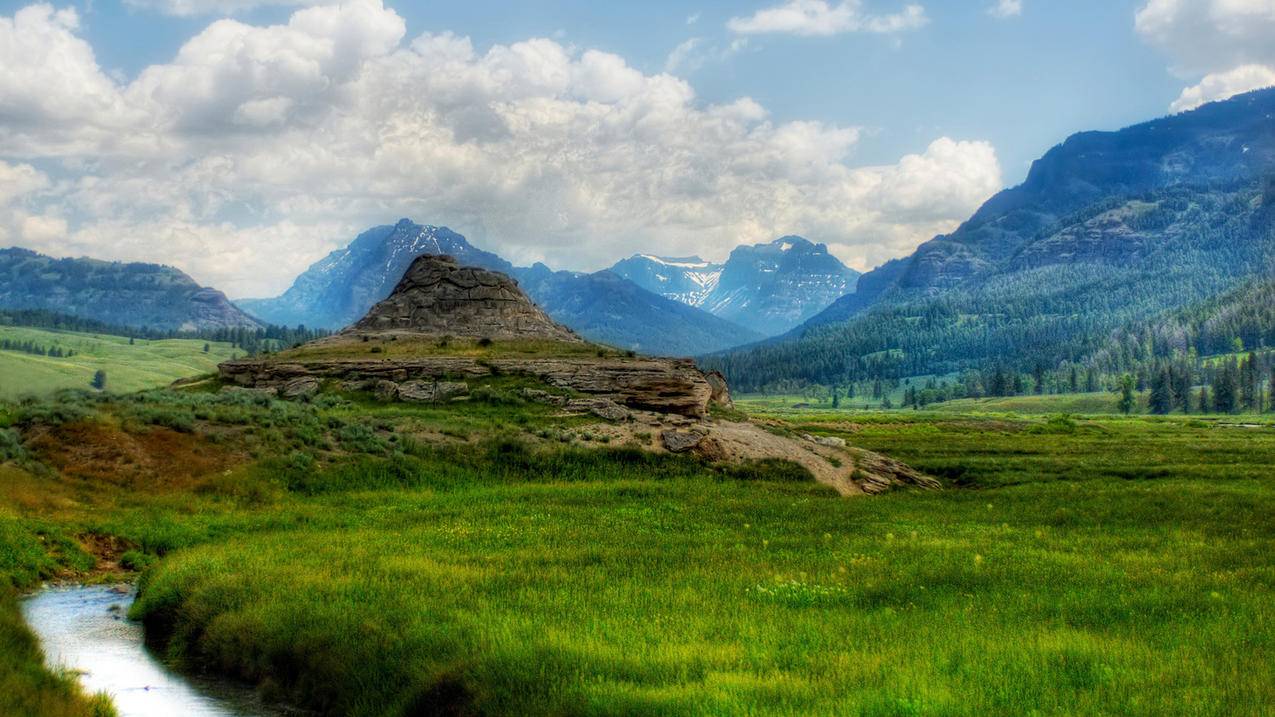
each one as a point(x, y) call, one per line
point(137, 561)
point(774, 470)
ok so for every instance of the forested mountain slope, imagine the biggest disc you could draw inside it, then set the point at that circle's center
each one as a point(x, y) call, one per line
point(133, 295)
point(1110, 229)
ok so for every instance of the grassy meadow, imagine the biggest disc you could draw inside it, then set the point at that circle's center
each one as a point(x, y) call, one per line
point(362, 559)
point(145, 364)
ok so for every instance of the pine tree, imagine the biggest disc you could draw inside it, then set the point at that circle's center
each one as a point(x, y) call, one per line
point(1226, 389)
point(1161, 393)
point(1127, 399)
point(99, 380)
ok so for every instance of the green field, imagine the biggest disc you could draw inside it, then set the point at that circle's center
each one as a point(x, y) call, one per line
point(144, 364)
point(385, 560)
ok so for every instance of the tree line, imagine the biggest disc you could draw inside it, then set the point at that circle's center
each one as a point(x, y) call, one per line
point(251, 341)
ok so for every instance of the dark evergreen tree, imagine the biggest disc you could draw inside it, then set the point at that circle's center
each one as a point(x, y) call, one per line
point(1226, 397)
point(1128, 401)
point(1161, 393)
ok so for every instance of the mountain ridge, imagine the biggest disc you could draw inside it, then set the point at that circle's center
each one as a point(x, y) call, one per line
point(338, 289)
point(1160, 214)
point(771, 287)
point(130, 294)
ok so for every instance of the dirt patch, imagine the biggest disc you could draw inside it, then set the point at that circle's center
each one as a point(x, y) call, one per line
point(154, 457)
point(107, 551)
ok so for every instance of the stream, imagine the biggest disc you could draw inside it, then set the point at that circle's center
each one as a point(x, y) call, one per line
point(85, 629)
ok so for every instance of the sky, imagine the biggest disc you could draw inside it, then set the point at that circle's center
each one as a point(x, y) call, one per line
point(242, 140)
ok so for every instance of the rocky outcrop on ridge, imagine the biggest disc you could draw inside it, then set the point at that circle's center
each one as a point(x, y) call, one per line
point(438, 301)
point(438, 296)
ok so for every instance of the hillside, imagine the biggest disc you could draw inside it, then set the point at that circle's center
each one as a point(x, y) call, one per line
point(143, 364)
point(769, 287)
point(136, 295)
point(1110, 229)
point(610, 310)
point(336, 291)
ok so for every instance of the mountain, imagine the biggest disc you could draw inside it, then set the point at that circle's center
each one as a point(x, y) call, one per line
point(125, 294)
point(609, 309)
point(689, 280)
point(337, 290)
point(769, 287)
point(1109, 229)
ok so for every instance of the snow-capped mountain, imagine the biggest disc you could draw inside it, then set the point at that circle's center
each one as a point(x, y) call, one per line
point(337, 290)
point(769, 287)
point(689, 280)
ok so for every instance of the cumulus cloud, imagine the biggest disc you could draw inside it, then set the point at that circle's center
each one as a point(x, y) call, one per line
point(1004, 9)
point(1221, 85)
point(257, 149)
point(819, 18)
point(1227, 46)
point(188, 8)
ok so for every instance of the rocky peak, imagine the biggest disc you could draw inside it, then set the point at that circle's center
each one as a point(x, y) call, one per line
point(440, 297)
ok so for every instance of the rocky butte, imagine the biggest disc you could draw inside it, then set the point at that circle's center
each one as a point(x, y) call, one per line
point(447, 329)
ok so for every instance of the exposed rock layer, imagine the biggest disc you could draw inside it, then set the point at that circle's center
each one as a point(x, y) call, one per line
point(664, 385)
point(437, 296)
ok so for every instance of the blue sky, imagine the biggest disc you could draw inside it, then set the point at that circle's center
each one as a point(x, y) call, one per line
point(1024, 82)
point(241, 140)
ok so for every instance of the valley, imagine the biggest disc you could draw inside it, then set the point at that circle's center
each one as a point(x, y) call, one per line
point(634, 434)
point(499, 557)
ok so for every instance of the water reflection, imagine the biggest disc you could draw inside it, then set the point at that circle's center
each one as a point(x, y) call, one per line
point(85, 629)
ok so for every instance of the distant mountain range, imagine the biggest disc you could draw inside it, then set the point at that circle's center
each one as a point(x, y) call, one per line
point(339, 289)
point(603, 307)
point(125, 294)
point(1109, 231)
point(770, 287)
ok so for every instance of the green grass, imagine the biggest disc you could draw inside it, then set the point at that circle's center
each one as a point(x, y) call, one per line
point(143, 365)
point(1073, 566)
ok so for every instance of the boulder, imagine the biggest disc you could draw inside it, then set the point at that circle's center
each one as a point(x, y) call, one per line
point(385, 390)
point(680, 441)
point(447, 390)
point(720, 391)
point(536, 395)
point(603, 408)
point(875, 473)
point(302, 387)
point(831, 441)
point(431, 391)
point(416, 391)
point(711, 449)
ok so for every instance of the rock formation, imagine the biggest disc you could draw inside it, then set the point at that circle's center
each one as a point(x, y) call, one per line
point(438, 296)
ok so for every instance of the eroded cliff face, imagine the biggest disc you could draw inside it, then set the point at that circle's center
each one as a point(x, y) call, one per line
point(663, 385)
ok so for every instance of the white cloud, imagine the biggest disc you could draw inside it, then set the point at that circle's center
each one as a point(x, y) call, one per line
point(692, 18)
point(1222, 85)
point(17, 180)
point(1224, 46)
point(1004, 9)
point(819, 18)
point(256, 150)
point(1204, 36)
point(188, 8)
